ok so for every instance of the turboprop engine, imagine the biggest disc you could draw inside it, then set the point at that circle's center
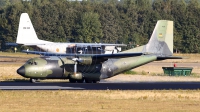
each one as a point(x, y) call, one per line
point(84, 60)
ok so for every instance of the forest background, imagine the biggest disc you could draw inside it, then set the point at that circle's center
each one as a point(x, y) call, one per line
point(129, 22)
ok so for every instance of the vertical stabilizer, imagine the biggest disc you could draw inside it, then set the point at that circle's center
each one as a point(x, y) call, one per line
point(26, 32)
point(161, 41)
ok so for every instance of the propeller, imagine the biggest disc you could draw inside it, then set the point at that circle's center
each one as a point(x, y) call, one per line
point(75, 64)
point(117, 49)
point(75, 67)
point(77, 59)
point(82, 60)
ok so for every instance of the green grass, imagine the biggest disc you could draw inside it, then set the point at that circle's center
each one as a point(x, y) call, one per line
point(130, 72)
point(195, 75)
point(17, 54)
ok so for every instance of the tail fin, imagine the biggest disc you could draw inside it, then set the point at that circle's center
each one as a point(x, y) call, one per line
point(161, 41)
point(26, 33)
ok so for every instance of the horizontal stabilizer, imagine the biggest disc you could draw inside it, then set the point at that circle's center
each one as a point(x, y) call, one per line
point(34, 44)
point(27, 44)
point(169, 57)
point(11, 44)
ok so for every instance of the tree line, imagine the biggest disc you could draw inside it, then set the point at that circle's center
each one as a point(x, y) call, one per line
point(129, 21)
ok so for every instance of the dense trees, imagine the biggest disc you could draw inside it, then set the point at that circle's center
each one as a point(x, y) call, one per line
point(129, 21)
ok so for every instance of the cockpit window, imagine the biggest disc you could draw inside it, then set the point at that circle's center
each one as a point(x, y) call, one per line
point(32, 62)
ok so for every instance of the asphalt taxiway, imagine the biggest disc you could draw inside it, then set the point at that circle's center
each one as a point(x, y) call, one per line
point(10, 85)
point(104, 85)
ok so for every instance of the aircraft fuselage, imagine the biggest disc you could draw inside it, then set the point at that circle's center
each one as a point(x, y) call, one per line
point(82, 48)
point(62, 68)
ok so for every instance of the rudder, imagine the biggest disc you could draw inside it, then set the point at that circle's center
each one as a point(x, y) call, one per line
point(26, 32)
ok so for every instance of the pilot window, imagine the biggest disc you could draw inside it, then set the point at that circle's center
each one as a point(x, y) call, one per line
point(32, 63)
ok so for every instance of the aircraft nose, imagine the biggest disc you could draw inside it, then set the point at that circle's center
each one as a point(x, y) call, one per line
point(21, 71)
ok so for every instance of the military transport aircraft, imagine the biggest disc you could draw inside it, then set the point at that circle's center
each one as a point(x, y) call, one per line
point(91, 68)
point(27, 36)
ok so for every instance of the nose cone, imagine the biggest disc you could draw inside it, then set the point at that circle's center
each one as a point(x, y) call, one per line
point(21, 71)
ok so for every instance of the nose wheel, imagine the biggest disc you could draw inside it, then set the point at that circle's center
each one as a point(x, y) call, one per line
point(33, 80)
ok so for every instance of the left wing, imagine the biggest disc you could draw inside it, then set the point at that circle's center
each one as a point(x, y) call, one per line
point(97, 58)
point(100, 56)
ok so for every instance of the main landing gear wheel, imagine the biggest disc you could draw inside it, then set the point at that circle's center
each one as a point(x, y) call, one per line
point(72, 80)
point(92, 81)
point(95, 81)
point(33, 80)
point(76, 81)
point(88, 81)
point(80, 81)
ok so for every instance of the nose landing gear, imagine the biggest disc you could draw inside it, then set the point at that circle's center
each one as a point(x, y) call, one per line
point(33, 80)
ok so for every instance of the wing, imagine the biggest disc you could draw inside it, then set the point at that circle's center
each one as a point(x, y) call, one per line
point(96, 44)
point(100, 56)
point(72, 44)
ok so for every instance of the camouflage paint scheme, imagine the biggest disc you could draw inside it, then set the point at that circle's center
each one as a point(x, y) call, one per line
point(159, 45)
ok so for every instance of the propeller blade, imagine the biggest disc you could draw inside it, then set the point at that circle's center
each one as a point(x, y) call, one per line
point(75, 68)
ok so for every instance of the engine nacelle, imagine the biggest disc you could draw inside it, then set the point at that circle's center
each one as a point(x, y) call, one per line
point(77, 76)
point(86, 60)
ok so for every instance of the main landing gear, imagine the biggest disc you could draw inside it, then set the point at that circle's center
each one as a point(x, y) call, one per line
point(83, 81)
point(32, 80)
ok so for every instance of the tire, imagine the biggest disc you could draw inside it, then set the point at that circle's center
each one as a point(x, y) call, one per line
point(72, 80)
point(33, 80)
point(88, 81)
point(80, 81)
point(95, 81)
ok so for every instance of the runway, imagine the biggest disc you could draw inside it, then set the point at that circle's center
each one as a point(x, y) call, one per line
point(104, 85)
point(25, 85)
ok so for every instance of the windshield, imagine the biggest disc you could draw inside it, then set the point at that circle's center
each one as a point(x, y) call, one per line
point(31, 62)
